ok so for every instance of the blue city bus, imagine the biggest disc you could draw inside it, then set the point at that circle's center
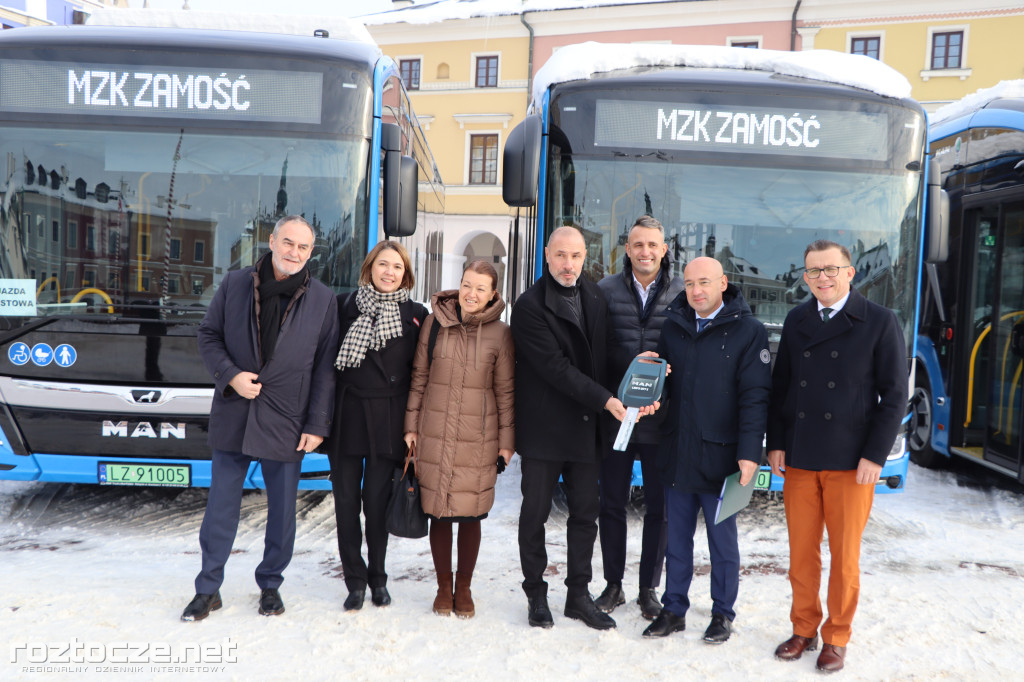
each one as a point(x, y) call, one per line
point(970, 352)
point(740, 160)
point(140, 165)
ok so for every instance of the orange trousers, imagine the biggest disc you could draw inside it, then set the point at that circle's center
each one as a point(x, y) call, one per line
point(815, 501)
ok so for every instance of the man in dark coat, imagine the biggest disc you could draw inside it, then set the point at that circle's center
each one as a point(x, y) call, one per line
point(839, 393)
point(637, 298)
point(560, 329)
point(717, 408)
point(268, 339)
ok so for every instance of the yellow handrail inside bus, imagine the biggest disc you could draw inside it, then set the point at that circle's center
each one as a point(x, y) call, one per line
point(970, 368)
point(43, 286)
point(1004, 396)
point(94, 290)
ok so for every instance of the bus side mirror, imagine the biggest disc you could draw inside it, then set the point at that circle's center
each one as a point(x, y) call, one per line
point(401, 184)
point(936, 248)
point(520, 165)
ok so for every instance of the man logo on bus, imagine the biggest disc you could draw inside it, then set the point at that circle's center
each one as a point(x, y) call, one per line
point(146, 396)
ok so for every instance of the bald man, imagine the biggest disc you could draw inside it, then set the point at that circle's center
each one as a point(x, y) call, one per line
point(562, 340)
point(717, 411)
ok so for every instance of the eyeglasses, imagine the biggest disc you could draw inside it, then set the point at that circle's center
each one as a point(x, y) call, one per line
point(830, 271)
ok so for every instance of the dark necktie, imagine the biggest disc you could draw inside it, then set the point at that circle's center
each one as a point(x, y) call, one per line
point(702, 323)
point(826, 314)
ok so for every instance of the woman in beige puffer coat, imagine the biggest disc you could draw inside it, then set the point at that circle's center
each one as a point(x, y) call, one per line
point(460, 417)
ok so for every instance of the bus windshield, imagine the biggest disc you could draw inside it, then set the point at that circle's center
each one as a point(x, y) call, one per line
point(112, 221)
point(747, 179)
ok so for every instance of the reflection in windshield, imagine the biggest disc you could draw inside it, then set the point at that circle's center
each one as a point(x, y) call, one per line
point(756, 221)
point(105, 220)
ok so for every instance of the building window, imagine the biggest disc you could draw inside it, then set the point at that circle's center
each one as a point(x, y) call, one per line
point(410, 69)
point(197, 286)
point(114, 281)
point(113, 242)
point(144, 281)
point(947, 50)
point(487, 72)
point(90, 237)
point(69, 278)
point(483, 160)
point(144, 249)
point(745, 43)
point(72, 234)
point(173, 285)
point(40, 225)
point(55, 230)
point(175, 249)
point(869, 47)
point(89, 279)
point(199, 252)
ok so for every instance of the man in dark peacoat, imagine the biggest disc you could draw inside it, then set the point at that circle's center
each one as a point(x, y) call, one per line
point(560, 329)
point(269, 340)
point(716, 412)
point(637, 299)
point(839, 393)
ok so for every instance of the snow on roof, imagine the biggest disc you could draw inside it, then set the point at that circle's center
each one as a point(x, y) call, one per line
point(581, 61)
point(433, 12)
point(977, 100)
point(290, 24)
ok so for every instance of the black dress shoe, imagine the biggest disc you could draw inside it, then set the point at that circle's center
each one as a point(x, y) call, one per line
point(271, 603)
point(650, 607)
point(665, 624)
point(354, 600)
point(610, 598)
point(582, 607)
point(719, 630)
point(379, 596)
point(539, 614)
point(200, 606)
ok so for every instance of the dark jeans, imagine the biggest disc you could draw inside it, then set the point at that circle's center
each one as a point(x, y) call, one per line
point(723, 542)
point(362, 482)
point(616, 475)
point(581, 490)
point(224, 506)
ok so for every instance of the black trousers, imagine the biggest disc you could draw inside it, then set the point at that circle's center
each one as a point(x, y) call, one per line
point(223, 509)
point(616, 476)
point(581, 490)
point(362, 482)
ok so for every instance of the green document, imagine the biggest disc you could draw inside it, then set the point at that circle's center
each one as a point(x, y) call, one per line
point(733, 497)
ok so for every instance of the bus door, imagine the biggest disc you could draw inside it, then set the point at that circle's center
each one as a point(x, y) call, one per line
point(997, 352)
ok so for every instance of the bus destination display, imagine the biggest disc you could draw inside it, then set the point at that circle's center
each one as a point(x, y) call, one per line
point(741, 129)
point(163, 91)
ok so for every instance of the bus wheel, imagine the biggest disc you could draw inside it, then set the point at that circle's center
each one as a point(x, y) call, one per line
point(920, 435)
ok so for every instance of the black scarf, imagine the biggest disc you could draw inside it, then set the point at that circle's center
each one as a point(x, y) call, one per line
point(274, 298)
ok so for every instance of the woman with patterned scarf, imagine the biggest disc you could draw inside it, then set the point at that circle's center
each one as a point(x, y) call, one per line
point(379, 329)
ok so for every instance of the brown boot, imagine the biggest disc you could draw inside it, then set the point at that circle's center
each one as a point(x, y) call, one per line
point(443, 600)
point(464, 607)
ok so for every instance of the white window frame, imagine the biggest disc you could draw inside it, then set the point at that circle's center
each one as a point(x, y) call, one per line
point(472, 67)
point(852, 35)
point(409, 58)
point(468, 158)
point(964, 71)
point(729, 40)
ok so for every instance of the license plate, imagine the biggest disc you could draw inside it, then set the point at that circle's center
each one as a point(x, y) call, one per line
point(171, 475)
point(763, 480)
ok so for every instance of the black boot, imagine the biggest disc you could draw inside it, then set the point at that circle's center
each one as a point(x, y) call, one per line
point(650, 607)
point(539, 614)
point(665, 624)
point(582, 607)
point(271, 603)
point(610, 598)
point(355, 598)
point(200, 606)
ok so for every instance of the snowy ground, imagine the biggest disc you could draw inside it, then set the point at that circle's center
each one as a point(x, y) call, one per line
point(95, 568)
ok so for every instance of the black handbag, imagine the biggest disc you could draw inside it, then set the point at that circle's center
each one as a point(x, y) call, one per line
point(405, 515)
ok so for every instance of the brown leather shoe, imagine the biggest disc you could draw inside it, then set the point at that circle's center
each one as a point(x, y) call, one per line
point(794, 647)
point(831, 658)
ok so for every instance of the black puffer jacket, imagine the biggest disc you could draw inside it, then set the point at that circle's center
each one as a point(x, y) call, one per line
point(638, 330)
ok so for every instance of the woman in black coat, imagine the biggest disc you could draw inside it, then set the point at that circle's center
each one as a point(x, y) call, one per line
point(379, 327)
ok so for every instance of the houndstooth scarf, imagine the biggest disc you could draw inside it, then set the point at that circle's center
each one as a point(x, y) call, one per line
point(378, 321)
